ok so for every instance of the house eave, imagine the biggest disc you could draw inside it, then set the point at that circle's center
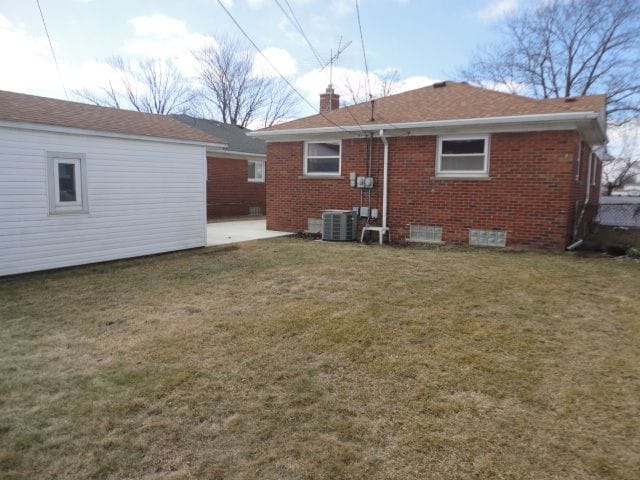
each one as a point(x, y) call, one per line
point(589, 124)
point(43, 127)
point(222, 153)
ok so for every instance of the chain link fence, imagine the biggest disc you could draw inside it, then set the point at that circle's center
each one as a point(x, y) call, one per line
point(619, 212)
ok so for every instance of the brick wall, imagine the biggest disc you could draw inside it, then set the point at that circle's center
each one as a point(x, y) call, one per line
point(228, 191)
point(530, 193)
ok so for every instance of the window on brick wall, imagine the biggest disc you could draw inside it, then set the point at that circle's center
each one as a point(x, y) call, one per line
point(256, 171)
point(463, 156)
point(322, 158)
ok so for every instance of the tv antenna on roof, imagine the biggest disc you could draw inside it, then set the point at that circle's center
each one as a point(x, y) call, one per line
point(333, 58)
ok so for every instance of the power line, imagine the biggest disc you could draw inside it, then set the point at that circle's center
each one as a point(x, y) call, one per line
point(294, 21)
point(53, 53)
point(296, 24)
point(250, 40)
point(364, 52)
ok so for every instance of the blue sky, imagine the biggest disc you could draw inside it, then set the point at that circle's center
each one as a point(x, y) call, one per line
point(424, 40)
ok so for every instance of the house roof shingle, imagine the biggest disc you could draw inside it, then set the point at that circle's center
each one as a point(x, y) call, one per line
point(234, 136)
point(19, 107)
point(444, 101)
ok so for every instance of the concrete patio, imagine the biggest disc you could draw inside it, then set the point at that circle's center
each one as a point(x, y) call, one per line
point(222, 233)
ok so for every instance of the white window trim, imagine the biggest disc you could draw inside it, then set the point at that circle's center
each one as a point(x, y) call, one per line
point(81, 204)
point(260, 179)
point(322, 174)
point(462, 173)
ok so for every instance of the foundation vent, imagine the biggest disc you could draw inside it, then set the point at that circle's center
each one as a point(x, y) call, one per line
point(425, 233)
point(314, 225)
point(255, 210)
point(488, 238)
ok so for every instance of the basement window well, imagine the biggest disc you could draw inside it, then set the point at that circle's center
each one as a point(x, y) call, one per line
point(322, 158)
point(463, 156)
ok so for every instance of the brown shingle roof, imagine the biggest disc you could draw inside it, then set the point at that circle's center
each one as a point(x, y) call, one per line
point(453, 101)
point(19, 107)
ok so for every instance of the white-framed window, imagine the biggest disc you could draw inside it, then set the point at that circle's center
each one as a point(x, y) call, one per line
point(594, 166)
point(466, 156)
point(67, 179)
point(256, 171)
point(322, 158)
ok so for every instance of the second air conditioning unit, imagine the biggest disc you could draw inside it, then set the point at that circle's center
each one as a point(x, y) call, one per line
point(339, 225)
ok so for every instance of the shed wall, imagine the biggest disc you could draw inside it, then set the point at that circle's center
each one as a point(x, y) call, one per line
point(144, 197)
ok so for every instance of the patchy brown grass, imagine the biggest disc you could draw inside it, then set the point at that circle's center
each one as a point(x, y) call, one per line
point(293, 359)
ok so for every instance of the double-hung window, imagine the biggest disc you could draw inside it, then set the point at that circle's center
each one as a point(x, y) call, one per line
point(463, 156)
point(67, 183)
point(256, 171)
point(322, 158)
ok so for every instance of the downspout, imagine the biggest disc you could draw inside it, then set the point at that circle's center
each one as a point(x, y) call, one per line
point(579, 242)
point(385, 184)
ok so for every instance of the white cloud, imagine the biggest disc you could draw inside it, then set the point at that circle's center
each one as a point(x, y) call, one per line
point(158, 25)
point(411, 83)
point(342, 8)
point(31, 68)
point(281, 59)
point(346, 81)
point(28, 64)
point(496, 9)
point(625, 139)
point(160, 36)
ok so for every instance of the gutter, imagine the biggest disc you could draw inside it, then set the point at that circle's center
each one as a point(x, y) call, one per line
point(43, 127)
point(503, 120)
point(235, 154)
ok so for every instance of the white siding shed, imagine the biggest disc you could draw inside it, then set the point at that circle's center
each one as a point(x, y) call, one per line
point(142, 195)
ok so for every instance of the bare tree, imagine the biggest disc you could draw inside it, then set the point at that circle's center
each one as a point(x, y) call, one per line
point(623, 168)
point(235, 92)
point(384, 84)
point(280, 103)
point(567, 48)
point(151, 86)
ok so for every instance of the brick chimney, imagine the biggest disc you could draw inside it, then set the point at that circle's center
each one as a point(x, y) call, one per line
point(329, 100)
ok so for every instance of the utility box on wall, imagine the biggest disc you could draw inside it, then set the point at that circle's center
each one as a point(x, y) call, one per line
point(364, 182)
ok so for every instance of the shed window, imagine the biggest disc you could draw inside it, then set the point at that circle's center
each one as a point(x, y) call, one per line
point(67, 183)
point(322, 158)
point(467, 156)
point(256, 171)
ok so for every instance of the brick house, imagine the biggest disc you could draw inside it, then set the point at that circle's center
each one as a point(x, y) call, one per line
point(449, 163)
point(236, 173)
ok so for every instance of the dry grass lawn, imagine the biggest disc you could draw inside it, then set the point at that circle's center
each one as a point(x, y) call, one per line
point(292, 359)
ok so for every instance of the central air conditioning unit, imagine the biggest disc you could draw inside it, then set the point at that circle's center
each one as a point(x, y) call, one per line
point(339, 225)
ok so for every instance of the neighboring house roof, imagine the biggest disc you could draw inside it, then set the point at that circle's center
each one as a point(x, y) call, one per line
point(19, 107)
point(234, 135)
point(445, 101)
